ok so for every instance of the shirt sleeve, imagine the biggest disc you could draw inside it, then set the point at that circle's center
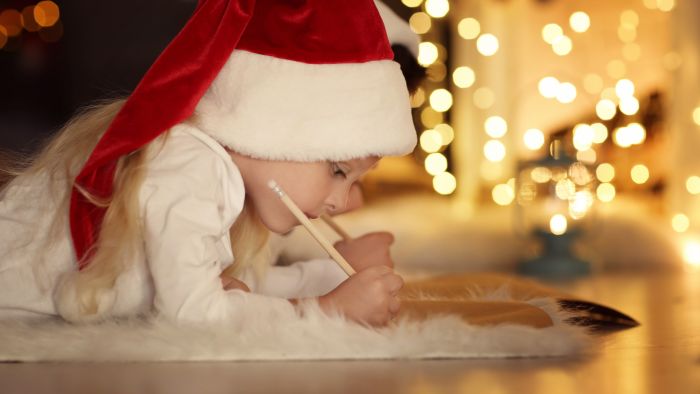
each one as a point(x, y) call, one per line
point(187, 209)
point(311, 278)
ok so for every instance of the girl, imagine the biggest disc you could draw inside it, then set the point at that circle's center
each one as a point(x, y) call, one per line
point(140, 205)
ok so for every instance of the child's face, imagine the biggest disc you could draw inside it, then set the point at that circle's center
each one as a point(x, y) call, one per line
point(314, 186)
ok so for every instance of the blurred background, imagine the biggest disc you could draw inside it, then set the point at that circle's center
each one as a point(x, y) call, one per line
point(548, 129)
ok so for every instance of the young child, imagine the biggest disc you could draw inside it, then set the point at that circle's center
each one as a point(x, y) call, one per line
point(139, 205)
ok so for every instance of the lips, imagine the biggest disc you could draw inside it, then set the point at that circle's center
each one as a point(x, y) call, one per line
point(310, 216)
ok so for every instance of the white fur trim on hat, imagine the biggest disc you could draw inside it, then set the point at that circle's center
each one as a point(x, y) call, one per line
point(276, 109)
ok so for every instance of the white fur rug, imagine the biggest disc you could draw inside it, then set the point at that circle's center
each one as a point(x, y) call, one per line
point(312, 337)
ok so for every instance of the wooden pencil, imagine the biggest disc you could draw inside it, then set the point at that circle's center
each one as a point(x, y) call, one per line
point(301, 217)
point(332, 224)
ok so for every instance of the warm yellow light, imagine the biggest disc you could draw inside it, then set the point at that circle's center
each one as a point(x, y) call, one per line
point(412, 3)
point(444, 183)
point(418, 98)
point(550, 32)
point(580, 204)
point(636, 133)
point(605, 192)
point(534, 139)
point(605, 172)
point(583, 137)
point(622, 137)
point(592, 83)
point(494, 150)
point(627, 33)
point(469, 28)
point(639, 174)
point(562, 45)
point(631, 51)
point(496, 127)
point(605, 109)
point(464, 77)
point(502, 194)
point(680, 223)
point(441, 100)
point(437, 8)
point(558, 224)
point(420, 22)
point(691, 253)
point(565, 189)
point(541, 174)
point(650, 4)
point(666, 5)
point(616, 69)
point(587, 156)
point(435, 163)
point(629, 18)
point(427, 53)
point(430, 141)
point(693, 184)
point(430, 118)
point(624, 88)
point(566, 93)
point(579, 22)
point(447, 134)
point(487, 44)
point(600, 133)
point(548, 87)
point(46, 13)
point(484, 98)
point(629, 105)
point(696, 115)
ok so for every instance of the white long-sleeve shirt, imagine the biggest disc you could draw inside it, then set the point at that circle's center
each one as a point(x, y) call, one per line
point(191, 196)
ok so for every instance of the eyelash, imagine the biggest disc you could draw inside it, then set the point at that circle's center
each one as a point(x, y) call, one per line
point(337, 171)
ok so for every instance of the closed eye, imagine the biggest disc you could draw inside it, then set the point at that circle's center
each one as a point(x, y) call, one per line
point(337, 171)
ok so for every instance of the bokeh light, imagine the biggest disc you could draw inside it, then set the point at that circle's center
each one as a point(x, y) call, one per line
point(444, 183)
point(496, 126)
point(469, 28)
point(464, 77)
point(533, 139)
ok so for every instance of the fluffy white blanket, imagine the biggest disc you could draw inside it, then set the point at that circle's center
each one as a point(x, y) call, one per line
point(315, 336)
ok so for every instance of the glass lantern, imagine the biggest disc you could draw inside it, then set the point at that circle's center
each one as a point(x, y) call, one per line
point(555, 201)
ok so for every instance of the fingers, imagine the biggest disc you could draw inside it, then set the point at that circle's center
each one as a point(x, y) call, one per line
point(393, 283)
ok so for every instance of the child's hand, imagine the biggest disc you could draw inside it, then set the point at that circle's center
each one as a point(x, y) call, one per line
point(368, 250)
point(370, 296)
point(230, 283)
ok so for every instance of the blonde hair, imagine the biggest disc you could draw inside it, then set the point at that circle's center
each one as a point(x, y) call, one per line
point(120, 237)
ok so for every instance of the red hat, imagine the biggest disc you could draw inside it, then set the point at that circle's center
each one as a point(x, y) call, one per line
point(275, 79)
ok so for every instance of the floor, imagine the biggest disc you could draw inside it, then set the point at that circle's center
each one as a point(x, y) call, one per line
point(660, 356)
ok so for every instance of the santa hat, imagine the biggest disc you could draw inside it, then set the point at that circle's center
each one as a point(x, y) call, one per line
point(275, 79)
point(398, 30)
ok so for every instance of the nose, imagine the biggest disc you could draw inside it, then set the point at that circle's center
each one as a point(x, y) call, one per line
point(337, 200)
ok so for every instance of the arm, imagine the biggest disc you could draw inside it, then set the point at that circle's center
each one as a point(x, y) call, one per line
point(188, 203)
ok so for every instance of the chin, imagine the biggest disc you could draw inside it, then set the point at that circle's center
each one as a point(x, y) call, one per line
point(279, 228)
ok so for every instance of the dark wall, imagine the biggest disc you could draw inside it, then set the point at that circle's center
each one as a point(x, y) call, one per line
point(105, 48)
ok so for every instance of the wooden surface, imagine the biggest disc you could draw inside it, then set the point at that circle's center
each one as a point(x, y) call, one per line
point(660, 356)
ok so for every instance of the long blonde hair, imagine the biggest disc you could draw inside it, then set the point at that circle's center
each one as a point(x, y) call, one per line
point(120, 237)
